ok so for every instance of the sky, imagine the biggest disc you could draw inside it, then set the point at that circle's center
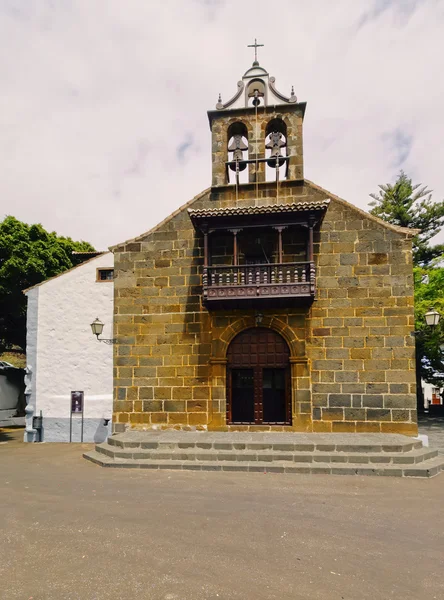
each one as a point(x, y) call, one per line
point(103, 125)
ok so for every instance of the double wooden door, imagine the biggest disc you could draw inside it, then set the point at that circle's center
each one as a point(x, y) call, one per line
point(258, 379)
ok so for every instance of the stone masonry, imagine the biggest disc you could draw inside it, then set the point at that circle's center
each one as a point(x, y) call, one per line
point(352, 354)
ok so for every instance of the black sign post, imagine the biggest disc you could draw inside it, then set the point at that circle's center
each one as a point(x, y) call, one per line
point(77, 399)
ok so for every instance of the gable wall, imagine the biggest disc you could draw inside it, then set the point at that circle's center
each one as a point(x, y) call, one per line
point(352, 355)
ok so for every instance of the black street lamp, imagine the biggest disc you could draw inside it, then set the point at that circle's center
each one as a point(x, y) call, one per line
point(97, 328)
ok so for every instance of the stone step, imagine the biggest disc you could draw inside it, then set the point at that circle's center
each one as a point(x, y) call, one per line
point(356, 443)
point(197, 454)
point(427, 468)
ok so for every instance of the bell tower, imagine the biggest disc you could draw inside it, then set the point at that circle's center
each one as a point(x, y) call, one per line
point(257, 134)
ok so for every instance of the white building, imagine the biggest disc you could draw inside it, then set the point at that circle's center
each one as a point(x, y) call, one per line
point(69, 377)
point(432, 393)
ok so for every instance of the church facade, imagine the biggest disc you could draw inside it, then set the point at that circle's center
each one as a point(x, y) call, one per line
point(266, 302)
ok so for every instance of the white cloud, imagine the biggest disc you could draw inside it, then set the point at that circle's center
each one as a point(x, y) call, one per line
point(103, 107)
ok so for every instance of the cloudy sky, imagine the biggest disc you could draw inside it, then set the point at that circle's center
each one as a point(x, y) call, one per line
point(103, 126)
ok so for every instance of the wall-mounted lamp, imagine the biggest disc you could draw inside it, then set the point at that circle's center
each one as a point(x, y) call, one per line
point(97, 328)
point(432, 318)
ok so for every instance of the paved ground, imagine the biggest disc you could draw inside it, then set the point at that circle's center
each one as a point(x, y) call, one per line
point(70, 530)
point(434, 429)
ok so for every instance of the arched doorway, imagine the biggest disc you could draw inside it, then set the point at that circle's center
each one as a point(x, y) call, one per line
point(258, 379)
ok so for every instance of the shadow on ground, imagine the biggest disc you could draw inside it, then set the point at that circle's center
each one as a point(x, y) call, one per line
point(11, 434)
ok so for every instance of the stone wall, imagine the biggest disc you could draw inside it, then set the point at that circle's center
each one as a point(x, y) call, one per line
point(352, 355)
point(361, 349)
point(256, 123)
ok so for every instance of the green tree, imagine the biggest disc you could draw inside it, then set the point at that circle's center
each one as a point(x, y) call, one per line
point(408, 205)
point(28, 255)
point(429, 292)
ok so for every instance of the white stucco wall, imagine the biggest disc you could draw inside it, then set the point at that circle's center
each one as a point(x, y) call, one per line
point(64, 354)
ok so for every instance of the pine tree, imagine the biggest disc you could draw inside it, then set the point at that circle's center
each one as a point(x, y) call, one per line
point(408, 205)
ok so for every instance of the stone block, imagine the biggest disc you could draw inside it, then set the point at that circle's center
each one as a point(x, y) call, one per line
point(360, 354)
point(152, 405)
point(372, 376)
point(316, 414)
point(178, 418)
point(174, 405)
point(399, 388)
point(162, 393)
point(401, 415)
point(320, 400)
point(356, 400)
point(339, 400)
point(354, 414)
point(197, 406)
point(197, 418)
point(400, 401)
point(159, 417)
point(327, 365)
point(377, 258)
point(373, 400)
point(321, 331)
point(339, 353)
point(146, 393)
point(345, 377)
point(321, 426)
point(403, 428)
point(353, 388)
point(367, 427)
point(343, 427)
point(333, 414)
point(182, 393)
point(378, 414)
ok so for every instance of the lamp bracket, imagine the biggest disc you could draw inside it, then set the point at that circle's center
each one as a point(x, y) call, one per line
point(109, 342)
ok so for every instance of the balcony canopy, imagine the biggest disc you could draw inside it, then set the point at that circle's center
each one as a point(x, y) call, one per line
point(301, 213)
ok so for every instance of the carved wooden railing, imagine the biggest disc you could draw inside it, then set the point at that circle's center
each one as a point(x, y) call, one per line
point(261, 280)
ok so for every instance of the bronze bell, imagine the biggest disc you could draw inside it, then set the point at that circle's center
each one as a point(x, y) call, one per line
point(277, 141)
point(237, 147)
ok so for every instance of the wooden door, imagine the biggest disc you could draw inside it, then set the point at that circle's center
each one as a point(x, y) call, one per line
point(258, 379)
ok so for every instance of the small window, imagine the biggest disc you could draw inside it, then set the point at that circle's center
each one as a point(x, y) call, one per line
point(105, 274)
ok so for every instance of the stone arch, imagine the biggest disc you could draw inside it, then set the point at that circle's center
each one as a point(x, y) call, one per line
point(232, 127)
point(259, 85)
point(300, 372)
point(220, 345)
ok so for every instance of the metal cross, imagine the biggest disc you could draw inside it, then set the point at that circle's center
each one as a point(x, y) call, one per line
point(255, 46)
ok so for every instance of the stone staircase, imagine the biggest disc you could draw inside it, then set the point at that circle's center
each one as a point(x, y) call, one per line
point(326, 453)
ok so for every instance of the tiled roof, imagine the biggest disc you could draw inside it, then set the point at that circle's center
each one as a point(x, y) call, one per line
point(234, 211)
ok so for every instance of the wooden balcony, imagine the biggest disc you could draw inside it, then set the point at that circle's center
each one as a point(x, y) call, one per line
point(261, 243)
point(278, 284)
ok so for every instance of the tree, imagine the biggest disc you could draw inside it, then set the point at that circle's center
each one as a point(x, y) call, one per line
point(429, 292)
point(28, 255)
point(408, 205)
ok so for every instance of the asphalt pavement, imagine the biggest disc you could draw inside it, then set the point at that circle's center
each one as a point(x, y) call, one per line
point(70, 530)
